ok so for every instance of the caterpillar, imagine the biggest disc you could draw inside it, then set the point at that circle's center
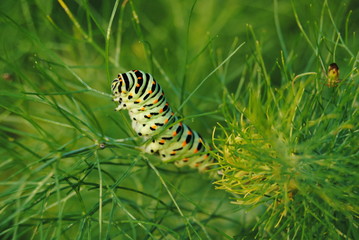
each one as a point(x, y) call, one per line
point(153, 119)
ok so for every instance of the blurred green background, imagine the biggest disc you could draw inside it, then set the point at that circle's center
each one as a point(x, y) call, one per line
point(57, 61)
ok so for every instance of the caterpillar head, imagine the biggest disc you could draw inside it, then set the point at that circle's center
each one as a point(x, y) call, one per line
point(116, 91)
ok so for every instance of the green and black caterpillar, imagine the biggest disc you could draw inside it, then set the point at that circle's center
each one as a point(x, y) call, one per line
point(153, 119)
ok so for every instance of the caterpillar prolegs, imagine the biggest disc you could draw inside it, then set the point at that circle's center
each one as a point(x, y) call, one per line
point(153, 119)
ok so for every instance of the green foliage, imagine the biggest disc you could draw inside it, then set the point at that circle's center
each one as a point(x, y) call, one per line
point(295, 152)
point(286, 142)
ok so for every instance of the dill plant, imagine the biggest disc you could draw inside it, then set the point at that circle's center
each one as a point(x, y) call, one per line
point(293, 148)
point(285, 142)
point(299, 161)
